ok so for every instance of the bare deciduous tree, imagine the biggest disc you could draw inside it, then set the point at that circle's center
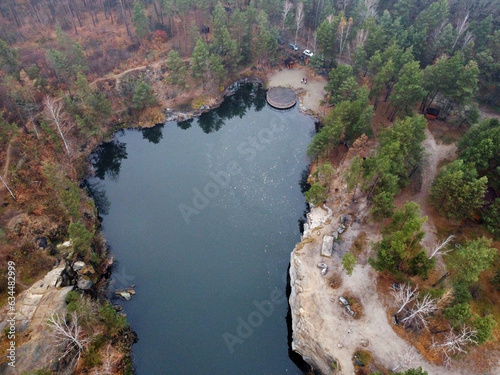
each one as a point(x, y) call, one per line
point(69, 335)
point(299, 19)
point(124, 17)
point(54, 108)
point(343, 4)
point(287, 7)
point(420, 311)
point(315, 40)
point(404, 295)
point(440, 249)
point(107, 364)
point(406, 358)
point(360, 40)
point(468, 38)
point(7, 186)
point(344, 30)
point(461, 28)
point(370, 9)
point(455, 343)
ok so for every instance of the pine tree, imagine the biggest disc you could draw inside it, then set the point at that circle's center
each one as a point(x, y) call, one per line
point(139, 20)
point(457, 192)
point(469, 261)
point(200, 61)
point(143, 96)
point(9, 59)
point(400, 240)
point(408, 91)
point(178, 69)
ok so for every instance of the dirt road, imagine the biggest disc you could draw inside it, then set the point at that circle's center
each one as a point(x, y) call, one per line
point(435, 153)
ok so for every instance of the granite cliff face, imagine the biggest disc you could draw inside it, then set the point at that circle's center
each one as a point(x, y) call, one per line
point(305, 297)
point(35, 347)
point(325, 332)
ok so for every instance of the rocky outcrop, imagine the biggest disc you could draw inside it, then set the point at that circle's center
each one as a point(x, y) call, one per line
point(304, 328)
point(326, 332)
point(34, 345)
point(318, 321)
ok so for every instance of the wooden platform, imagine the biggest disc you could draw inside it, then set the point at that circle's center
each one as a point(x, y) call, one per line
point(281, 97)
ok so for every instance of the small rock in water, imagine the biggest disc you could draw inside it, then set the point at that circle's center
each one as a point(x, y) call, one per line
point(124, 294)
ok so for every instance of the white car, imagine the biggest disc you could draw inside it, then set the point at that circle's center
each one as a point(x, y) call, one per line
point(308, 53)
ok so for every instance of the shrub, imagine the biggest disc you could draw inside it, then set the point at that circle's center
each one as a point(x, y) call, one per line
point(348, 261)
point(484, 327)
point(457, 314)
point(316, 194)
point(462, 294)
point(80, 237)
point(113, 321)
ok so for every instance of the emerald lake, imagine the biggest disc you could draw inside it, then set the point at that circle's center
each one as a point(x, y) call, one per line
point(201, 216)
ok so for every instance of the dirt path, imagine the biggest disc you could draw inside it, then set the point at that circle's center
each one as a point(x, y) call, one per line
point(7, 161)
point(118, 76)
point(310, 94)
point(435, 154)
point(487, 112)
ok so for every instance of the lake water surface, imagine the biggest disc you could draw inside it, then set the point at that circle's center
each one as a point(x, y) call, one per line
point(202, 216)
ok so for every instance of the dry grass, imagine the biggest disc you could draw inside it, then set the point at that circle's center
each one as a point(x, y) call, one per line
point(335, 281)
point(359, 243)
point(444, 132)
point(301, 245)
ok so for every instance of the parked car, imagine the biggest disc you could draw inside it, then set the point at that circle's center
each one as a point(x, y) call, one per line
point(308, 53)
point(280, 40)
point(294, 47)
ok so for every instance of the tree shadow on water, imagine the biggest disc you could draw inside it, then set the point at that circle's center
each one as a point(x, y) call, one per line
point(247, 96)
point(107, 159)
point(184, 125)
point(154, 134)
point(98, 193)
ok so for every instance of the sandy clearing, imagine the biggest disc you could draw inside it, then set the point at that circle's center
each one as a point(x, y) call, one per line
point(310, 94)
